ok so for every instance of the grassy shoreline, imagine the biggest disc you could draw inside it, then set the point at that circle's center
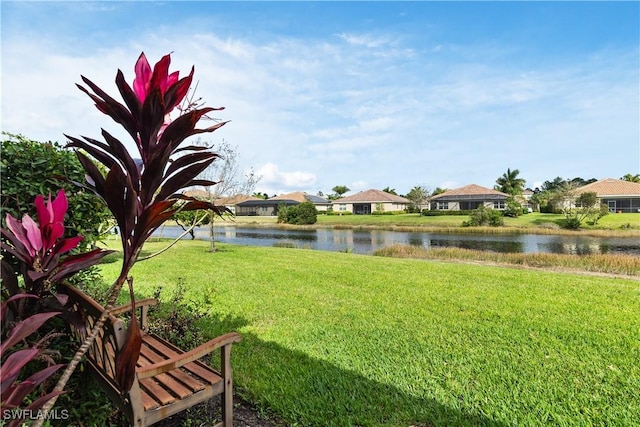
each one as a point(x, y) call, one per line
point(614, 225)
point(334, 339)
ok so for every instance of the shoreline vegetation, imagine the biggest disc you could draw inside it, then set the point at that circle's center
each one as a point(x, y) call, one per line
point(441, 343)
point(613, 225)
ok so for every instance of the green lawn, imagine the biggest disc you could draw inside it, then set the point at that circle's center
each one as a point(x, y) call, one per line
point(335, 339)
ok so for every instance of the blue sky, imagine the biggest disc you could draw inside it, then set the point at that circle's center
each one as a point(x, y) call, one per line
point(363, 94)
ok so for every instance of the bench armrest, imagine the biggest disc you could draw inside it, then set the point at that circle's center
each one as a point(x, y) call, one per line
point(195, 354)
point(127, 307)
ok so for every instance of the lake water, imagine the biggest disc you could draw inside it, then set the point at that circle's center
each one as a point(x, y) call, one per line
point(365, 242)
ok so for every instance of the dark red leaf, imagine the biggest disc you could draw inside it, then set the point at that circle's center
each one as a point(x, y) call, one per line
point(181, 128)
point(128, 355)
point(11, 367)
point(9, 281)
point(96, 149)
point(176, 93)
point(181, 180)
point(24, 328)
point(128, 95)
point(188, 159)
point(151, 120)
point(92, 171)
point(74, 263)
point(120, 197)
point(28, 385)
point(111, 107)
point(119, 151)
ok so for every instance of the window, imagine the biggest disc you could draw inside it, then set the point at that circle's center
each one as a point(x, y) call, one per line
point(342, 207)
point(443, 206)
point(498, 204)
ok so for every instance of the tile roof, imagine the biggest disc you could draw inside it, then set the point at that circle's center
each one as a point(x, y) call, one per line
point(302, 197)
point(611, 187)
point(372, 196)
point(470, 190)
point(221, 201)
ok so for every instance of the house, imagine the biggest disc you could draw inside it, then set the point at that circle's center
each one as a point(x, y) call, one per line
point(269, 207)
point(229, 202)
point(321, 204)
point(469, 197)
point(262, 207)
point(618, 195)
point(369, 201)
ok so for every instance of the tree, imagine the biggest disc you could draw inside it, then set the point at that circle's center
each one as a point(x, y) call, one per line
point(260, 195)
point(230, 182)
point(586, 206)
point(631, 178)
point(390, 191)
point(188, 220)
point(513, 208)
point(339, 191)
point(418, 196)
point(510, 183)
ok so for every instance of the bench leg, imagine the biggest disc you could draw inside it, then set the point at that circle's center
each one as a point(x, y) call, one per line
point(227, 377)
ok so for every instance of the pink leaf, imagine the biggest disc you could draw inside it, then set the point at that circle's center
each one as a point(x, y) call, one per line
point(41, 209)
point(59, 207)
point(33, 233)
point(67, 244)
point(18, 231)
point(143, 76)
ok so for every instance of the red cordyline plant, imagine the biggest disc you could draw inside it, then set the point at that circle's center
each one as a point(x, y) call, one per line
point(39, 248)
point(42, 254)
point(142, 194)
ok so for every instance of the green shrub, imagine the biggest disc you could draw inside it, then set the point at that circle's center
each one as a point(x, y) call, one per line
point(513, 209)
point(29, 168)
point(484, 216)
point(302, 214)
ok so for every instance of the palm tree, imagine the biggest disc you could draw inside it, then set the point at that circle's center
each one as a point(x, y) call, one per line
point(631, 178)
point(510, 183)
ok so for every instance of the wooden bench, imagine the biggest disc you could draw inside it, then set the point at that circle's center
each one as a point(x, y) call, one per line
point(168, 380)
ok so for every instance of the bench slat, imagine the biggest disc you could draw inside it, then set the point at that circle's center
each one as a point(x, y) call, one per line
point(157, 391)
point(170, 383)
point(196, 368)
point(149, 357)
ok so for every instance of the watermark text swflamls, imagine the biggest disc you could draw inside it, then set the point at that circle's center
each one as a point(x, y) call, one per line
point(32, 414)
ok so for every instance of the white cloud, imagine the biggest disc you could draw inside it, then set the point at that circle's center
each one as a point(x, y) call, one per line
point(275, 180)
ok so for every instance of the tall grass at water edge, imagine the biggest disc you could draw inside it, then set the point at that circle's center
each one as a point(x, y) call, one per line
point(334, 339)
point(601, 263)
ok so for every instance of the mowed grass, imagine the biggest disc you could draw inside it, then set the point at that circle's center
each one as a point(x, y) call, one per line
point(335, 339)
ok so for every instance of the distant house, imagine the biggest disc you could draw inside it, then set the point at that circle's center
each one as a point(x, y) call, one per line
point(232, 201)
point(469, 197)
point(525, 200)
point(320, 203)
point(369, 201)
point(229, 202)
point(261, 207)
point(618, 195)
point(269, 207)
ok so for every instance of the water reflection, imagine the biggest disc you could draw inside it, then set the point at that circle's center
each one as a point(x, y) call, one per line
point(365, 242)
